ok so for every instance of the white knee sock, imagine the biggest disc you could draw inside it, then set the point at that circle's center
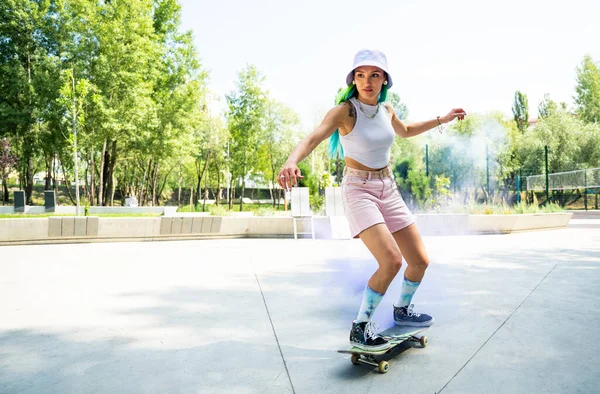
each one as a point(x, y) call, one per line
point(408, 290)
point(371, 300)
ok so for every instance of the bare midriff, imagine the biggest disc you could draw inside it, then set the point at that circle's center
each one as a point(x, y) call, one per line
point(358, 166)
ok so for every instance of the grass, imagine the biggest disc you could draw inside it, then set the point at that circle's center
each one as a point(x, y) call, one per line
point(102, 215)
point(521, 208)
point(29, 216)
point(223, 209)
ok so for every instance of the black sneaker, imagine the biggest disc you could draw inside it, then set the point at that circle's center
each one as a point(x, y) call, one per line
point(405, 316)
point(363, 336)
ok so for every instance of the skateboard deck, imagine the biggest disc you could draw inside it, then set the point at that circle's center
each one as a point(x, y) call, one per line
point(395, 335)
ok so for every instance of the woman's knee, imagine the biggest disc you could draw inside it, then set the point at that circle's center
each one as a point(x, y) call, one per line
point(421, 264)
point(393, 264)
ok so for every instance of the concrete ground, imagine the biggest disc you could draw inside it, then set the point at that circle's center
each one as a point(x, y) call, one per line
point(514, 314)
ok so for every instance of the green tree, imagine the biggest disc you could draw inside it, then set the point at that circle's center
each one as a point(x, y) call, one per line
point(280, 127)
point(420, 188)
point(399, 107)
point(547, 107)
point(587, 90)
point(247, 106)
point(179, 85)
point(24, 55)
point(520, 111)
point(561, 132)
point(7, 162)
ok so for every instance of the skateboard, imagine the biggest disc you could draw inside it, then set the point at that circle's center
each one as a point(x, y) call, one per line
point(395, 335)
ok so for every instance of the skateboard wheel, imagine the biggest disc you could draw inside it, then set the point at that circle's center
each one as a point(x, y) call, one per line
point(354, 359)
point(384, 366)
point(423, 341)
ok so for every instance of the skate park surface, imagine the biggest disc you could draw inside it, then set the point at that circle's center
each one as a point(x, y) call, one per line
point(514, 313)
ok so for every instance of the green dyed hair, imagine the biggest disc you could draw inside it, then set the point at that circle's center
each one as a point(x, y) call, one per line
point(336, 150)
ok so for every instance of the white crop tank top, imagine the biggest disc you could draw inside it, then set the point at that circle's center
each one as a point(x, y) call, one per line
point(371, 139)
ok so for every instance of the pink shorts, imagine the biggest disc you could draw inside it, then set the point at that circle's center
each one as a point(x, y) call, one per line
point(372, 197)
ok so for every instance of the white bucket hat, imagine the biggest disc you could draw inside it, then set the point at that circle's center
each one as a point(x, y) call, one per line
point(366, 57)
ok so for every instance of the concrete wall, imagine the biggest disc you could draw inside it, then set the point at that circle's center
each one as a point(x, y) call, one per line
point(494, 224)
point(23, 229)
point(86, 229)
point(443, 224)
point(73, 226)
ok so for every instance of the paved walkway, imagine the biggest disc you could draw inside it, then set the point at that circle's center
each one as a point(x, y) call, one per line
point(515, 314)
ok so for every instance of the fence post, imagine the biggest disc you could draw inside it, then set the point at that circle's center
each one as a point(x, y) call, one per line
point(518, 187)
point(487, 170)
point(585, 190)
point(427, 159)
point(547, 195)
point(454, 179)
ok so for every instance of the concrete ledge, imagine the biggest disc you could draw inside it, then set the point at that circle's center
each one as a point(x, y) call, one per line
point(443, 224)
point(54, 227)
point(72, 226)
point(129, 227)
point(27, 229)
point(92, 226)
point(80, 229)
point(504, 224)
point(461, 224)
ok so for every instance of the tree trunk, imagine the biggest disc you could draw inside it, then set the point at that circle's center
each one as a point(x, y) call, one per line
point(162, 187)
point(86, 184)
point(48, 180)
point(200, 175)
point(143, 183)
point(92, 178)
point(29, 182)
point(154, 183)
point(242, 194)
point(102, 171)
point(55, 172)
point(243, 188)
point(179, 190)
point(205, 194)
point(68, 186)
point(111, 161)
point(5, 192)
point(231, 193)
point(218, 195)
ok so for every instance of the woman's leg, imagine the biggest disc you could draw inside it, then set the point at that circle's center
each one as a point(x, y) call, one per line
point(382, 246)
point(410, 243)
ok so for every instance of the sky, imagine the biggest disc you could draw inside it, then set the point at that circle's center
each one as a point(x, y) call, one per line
point(472, 54)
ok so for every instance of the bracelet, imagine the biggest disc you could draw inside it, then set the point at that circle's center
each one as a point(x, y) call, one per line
point(439, 124)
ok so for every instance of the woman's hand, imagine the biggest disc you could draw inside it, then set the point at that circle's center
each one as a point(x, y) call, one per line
point(455, 113)
point(289, 175)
